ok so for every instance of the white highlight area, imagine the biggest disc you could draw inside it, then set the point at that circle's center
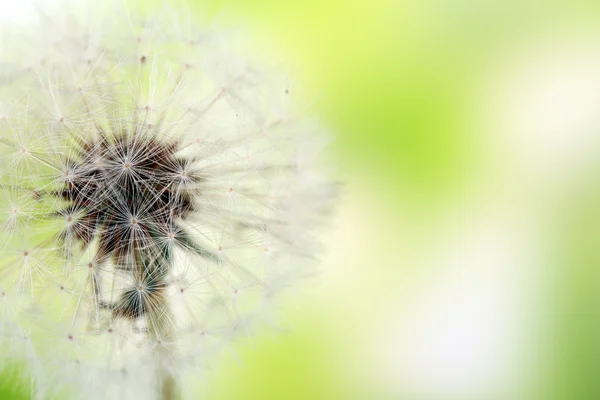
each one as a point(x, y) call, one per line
point(544, 104)
point(461, 335)
point(13, 10)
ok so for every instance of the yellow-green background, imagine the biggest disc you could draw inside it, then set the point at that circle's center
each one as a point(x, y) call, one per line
point(395, 82)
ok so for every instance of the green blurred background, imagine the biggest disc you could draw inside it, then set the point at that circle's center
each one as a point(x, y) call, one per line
point(463, 259)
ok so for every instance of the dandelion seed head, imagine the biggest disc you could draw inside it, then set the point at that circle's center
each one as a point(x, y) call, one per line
point(156, 190)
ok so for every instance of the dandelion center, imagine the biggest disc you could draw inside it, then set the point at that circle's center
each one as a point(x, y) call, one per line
point(109, 201)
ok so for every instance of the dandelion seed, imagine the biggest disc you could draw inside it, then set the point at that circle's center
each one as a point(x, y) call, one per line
point(156, 191)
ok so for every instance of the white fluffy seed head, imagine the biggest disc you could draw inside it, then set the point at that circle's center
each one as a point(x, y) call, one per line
point(156, 191)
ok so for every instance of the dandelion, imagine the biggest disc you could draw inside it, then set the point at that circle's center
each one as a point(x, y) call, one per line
point(156, 192)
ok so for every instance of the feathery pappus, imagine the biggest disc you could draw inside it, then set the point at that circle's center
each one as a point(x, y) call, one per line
point(157, 190)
